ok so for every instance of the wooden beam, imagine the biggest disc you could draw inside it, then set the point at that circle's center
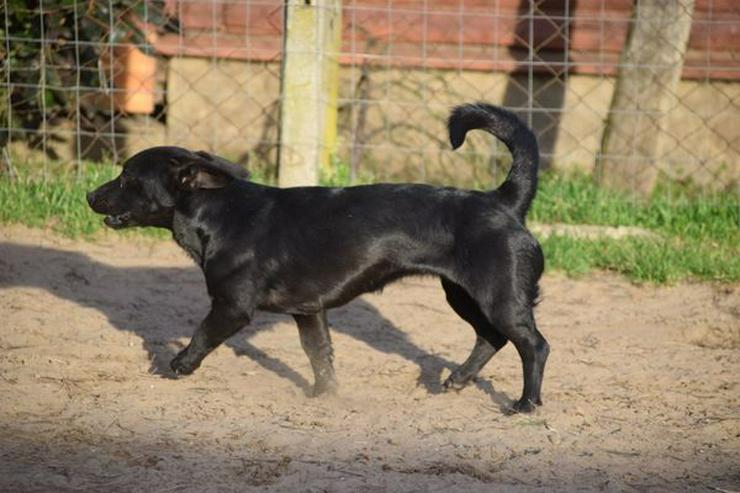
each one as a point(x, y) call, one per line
point(309, 89)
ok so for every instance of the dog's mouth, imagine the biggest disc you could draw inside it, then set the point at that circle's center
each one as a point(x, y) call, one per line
point(119, 221)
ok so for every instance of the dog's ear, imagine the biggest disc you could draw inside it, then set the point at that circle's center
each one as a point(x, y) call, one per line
point(204, 171)
point(194, 176)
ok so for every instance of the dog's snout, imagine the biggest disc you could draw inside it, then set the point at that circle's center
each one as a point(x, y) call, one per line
point(96, 200)
point(91, 198)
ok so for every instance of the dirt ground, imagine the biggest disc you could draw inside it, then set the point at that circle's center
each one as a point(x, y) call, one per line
point(642, 389)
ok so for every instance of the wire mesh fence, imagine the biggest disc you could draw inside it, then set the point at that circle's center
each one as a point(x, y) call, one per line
point(98, 80)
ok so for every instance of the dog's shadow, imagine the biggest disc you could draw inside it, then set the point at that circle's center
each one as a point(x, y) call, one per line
point(168, 302)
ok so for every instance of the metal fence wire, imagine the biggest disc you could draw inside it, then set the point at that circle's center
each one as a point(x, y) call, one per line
point(99, 80)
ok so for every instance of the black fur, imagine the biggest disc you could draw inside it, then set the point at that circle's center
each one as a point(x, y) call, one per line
point(305, 250)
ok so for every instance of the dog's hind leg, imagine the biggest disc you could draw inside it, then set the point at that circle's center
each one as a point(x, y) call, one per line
point(316, 342)
point(487, 343)
point(516, 323)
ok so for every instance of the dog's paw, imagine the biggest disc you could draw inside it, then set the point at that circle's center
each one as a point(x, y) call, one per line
point(456, 382)
point(325, 387)
point(525, 406)
point(181, 366)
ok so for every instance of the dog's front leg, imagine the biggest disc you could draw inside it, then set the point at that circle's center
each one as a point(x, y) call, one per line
point(223, 321)
point(316, 342)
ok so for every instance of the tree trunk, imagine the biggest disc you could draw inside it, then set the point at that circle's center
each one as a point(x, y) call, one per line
point(650, 68)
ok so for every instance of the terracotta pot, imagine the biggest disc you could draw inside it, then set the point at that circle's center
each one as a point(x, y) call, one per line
point(134, 80)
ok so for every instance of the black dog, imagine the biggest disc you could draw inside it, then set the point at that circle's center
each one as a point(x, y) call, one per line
point(304, 250)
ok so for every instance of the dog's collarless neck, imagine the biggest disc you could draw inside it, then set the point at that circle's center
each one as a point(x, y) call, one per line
point(187, 237)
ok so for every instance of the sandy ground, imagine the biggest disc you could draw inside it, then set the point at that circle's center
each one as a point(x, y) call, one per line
point(642, 389)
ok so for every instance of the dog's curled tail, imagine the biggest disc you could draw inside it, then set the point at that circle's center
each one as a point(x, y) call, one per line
point(520, 186)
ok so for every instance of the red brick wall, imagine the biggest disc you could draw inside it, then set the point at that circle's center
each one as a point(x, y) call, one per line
point(456, 34)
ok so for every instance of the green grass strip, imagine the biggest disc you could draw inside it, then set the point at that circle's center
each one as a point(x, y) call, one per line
point(698, 233)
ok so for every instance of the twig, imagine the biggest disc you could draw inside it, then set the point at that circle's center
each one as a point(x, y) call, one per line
point(9, 164)
point(721, 490)
point(623, 454)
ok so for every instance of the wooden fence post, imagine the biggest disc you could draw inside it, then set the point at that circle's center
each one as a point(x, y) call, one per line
point(310, 86)
point(650, 68)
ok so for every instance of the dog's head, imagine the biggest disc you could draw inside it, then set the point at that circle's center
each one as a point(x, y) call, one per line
point(146, 191)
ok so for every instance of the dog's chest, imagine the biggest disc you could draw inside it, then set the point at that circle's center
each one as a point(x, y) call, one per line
point(189, 239)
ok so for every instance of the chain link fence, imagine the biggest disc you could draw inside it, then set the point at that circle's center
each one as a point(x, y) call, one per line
point(99, 80)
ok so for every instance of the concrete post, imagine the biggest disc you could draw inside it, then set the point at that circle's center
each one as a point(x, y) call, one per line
point(310, 86)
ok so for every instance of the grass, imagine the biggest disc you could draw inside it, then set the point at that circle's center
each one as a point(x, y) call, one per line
point(698, 233)
point(58, 204)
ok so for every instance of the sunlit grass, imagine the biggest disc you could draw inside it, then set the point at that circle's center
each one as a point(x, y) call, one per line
point(697, 234)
